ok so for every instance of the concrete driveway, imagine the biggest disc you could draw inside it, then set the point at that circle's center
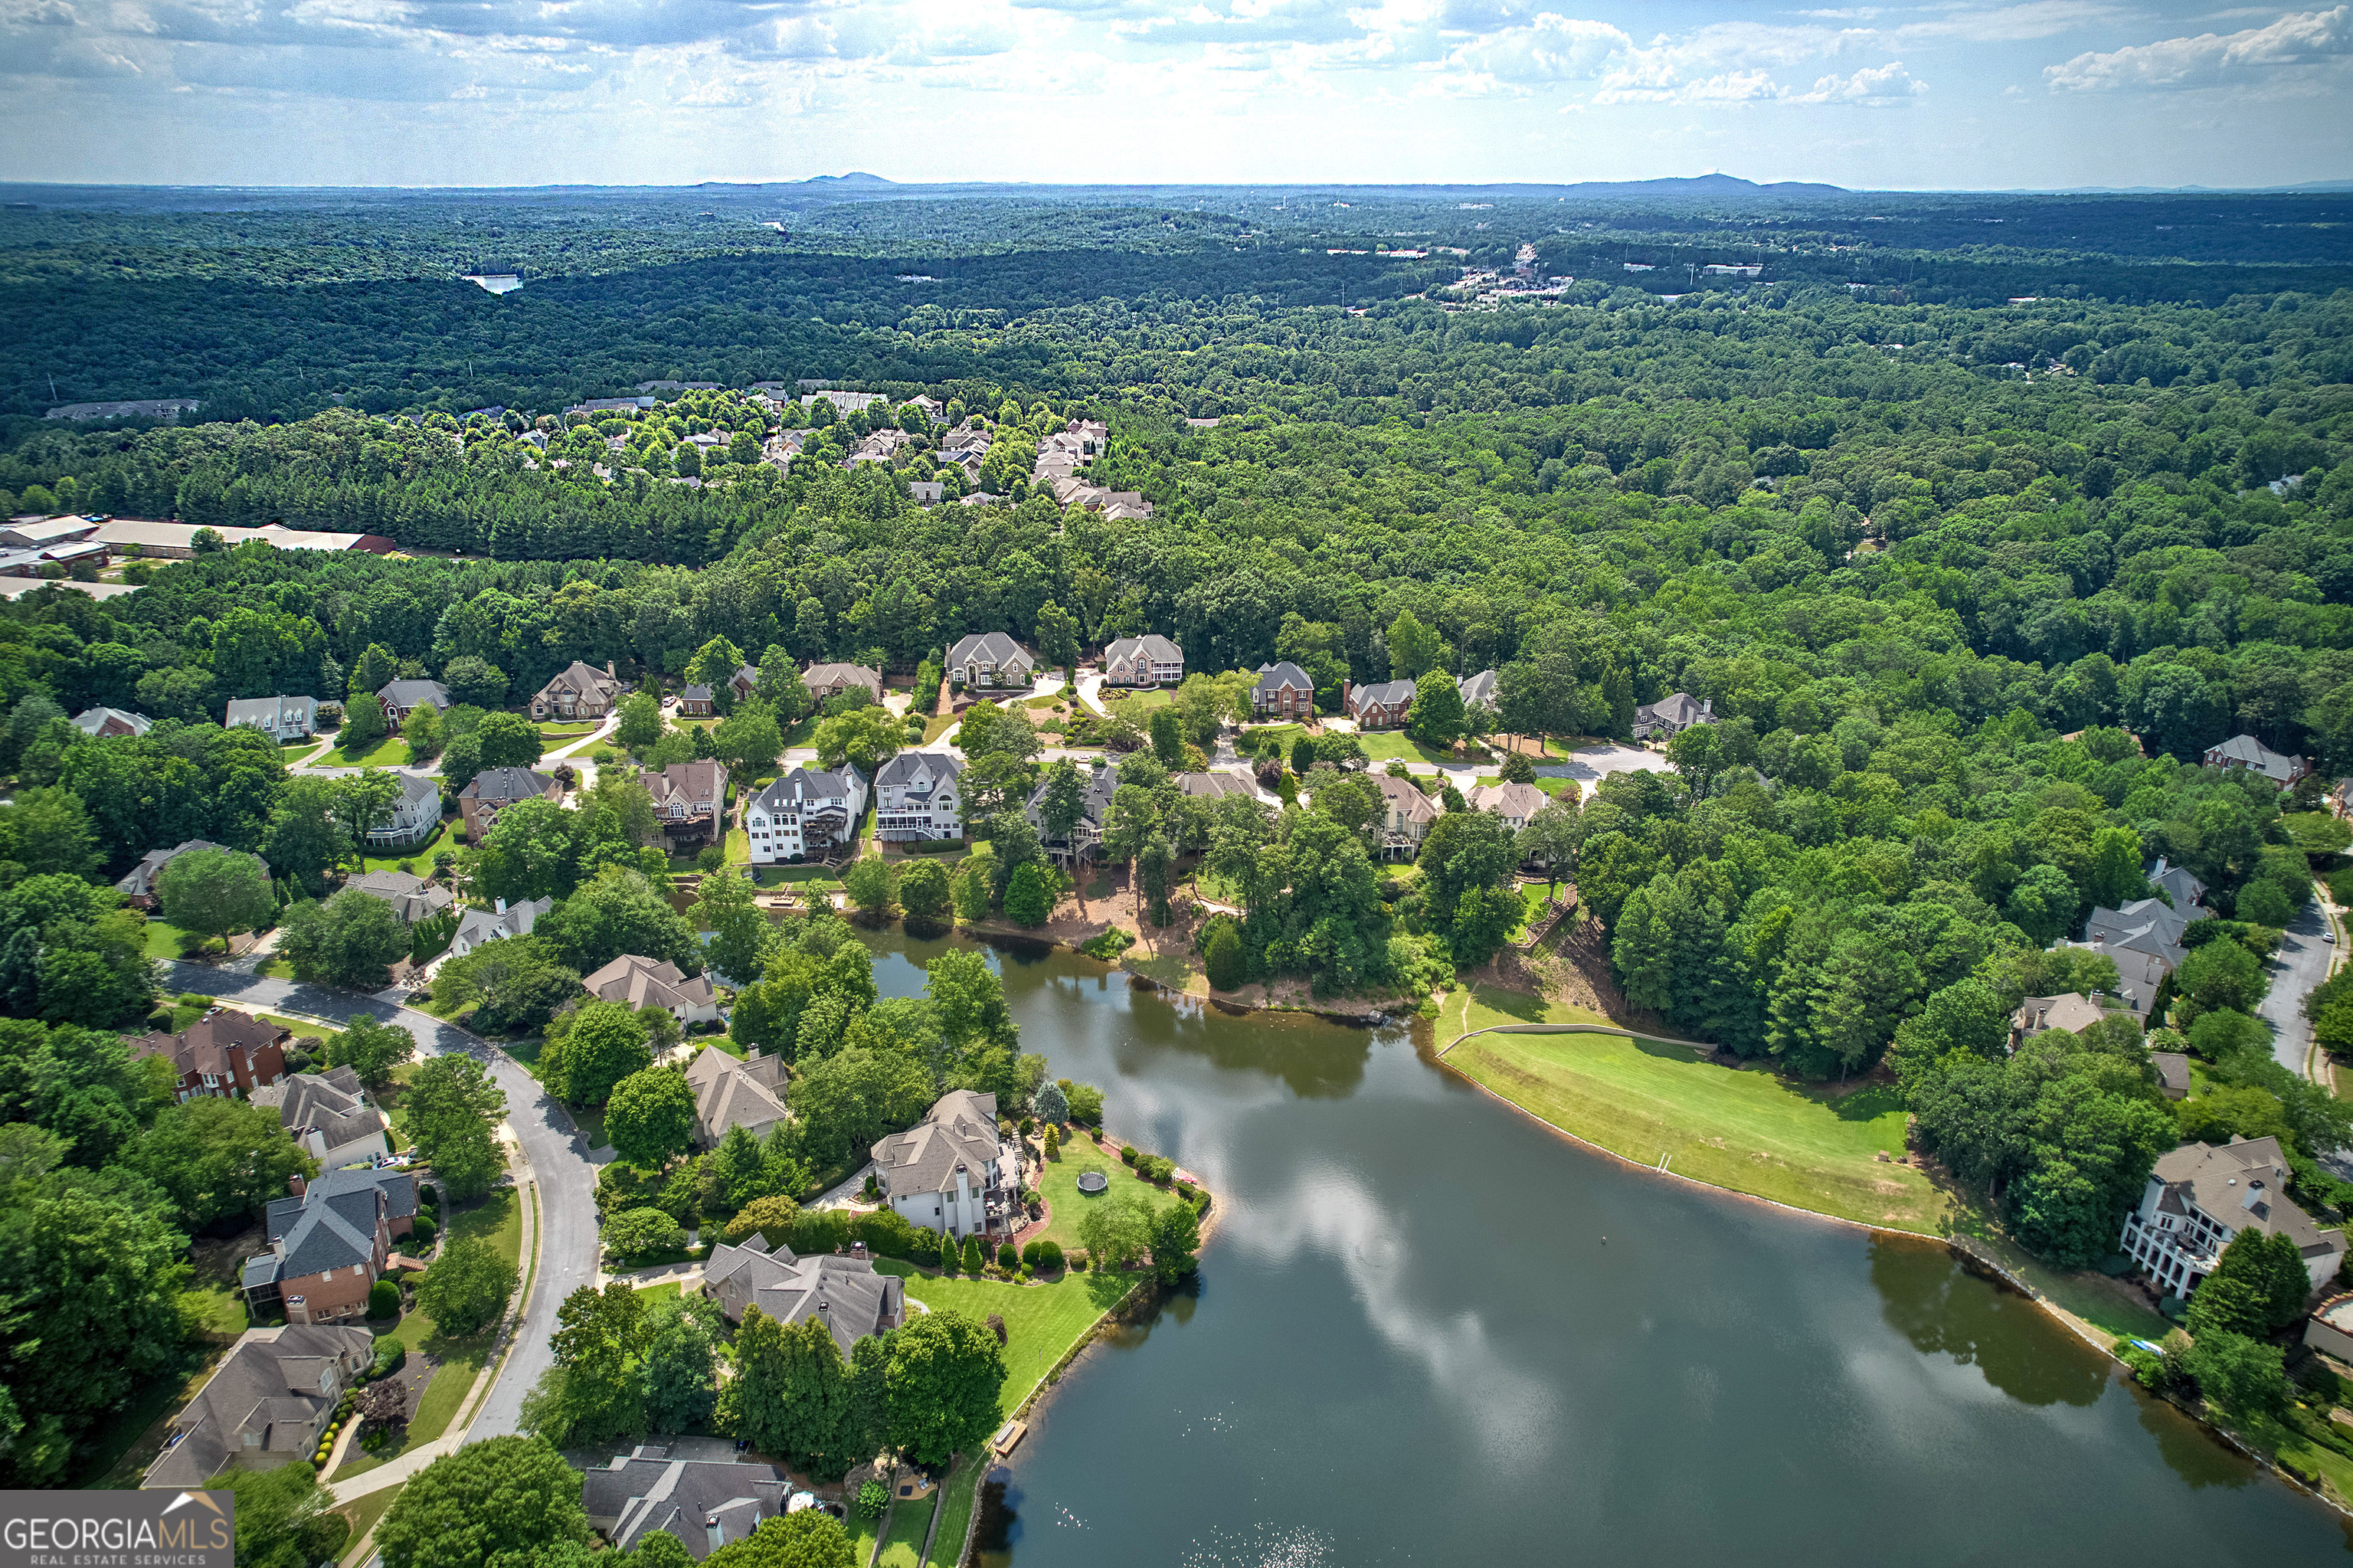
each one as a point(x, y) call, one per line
point(557, 1153)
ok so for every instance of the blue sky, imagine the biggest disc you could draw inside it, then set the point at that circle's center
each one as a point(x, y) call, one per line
point(2043, 93)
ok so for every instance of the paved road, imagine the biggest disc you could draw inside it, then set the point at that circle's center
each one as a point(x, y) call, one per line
point(558, 1155)
point(2302, 963)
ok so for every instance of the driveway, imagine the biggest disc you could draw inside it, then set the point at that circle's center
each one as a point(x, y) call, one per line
point(558, 1155)
point(2303, 962)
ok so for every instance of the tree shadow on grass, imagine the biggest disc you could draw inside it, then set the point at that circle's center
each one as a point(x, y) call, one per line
point(1107, 1290)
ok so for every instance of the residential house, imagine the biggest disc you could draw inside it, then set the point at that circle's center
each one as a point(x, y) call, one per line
point(329, 1116)
point(844, 1293)
point(579, 691)
point(411, 897)
point(2199, 1196)
point(493, 790)
point(2145, 940)
point(696, 702)
point(704, 1503)
point(1383, 704)
point(805, 812)
point(475, 927)
point(2172, 1073)
point(989, 660)
point(138, 884)
point(2340, 799)
point(402, 698)
point(690, 798)
point(415, 815)
point(1671, 715)
point(1512, 804)
point(266, 1404)
point(931, 407)
point(1212, 786)
point(926, 491)
point(328, 1243)
point(950, 1173)
point(745, 681)
point(1282, 691)
point(824, 681)
point(1086, 839)
point(1405, 817)
point(729, 1093)
point(1148, 660)
point(105, 724)
point(1478, 691)
point(639, 982)
point(222, 1056)
point(2245, 751)
point(915, 797)
point(2039, 1014)
point(280, 718)
point(2179, 884)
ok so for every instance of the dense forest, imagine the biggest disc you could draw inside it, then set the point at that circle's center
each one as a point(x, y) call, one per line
point(1972, 586)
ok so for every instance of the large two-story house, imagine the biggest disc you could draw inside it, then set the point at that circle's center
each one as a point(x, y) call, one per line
point(1282, 691)
point(475, 927)
point(223, 1055)
point(138, 884)
point(107, 723)
point(2199, 1196)
point(689, 798)
point(577, 691)
point(729, 1093)
point(915, 797)
point(1670, 715)
point(1148, 660)
point(826, 681)
point(705, 1504)
point(1478, 691)
point(805, 812)
point(639, 982)
point(402, 698)
point(280, 718)
point(328, 1116)
point(1512, 804)
point(2245, 752)
point(950, 1173)
point(415, 815)
point(2145, 938)
point(329, 1243)
point(411, 897)
point(1406, 816)
point(493, 790)
point(1380, 704)
point(989, 660)
point(267, 1406)
point(845, 1294)
point(1084, 841)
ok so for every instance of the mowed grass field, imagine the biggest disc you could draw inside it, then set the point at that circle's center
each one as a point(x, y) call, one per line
point(1751, 1132)
point(1042, 1321)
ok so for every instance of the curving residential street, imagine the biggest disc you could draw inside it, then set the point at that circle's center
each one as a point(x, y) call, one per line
point(558, 1155)
point(2303, 962)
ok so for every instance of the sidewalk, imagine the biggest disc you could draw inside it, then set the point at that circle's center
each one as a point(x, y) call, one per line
point(397, 1472)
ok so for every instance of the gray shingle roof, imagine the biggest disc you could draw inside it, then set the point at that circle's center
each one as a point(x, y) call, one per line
point(2219, 1179)
point(2248, 752)
point(912, 767)
point(645, 1491)
point(270, 1384)
point(1274, 677)
point(407, 695)
point(272, 712)
point(845, 1294)
point(988, 647)
point(505, 786)
point(960, 1129)
point(1154, 648)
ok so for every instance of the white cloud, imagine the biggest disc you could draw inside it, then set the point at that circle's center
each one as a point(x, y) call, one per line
point(2302, 38)
point(1877, 84)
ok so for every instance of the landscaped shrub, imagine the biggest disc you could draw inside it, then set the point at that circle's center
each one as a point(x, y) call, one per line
point(997, 1327)
point(1127, 1152)
point(423, 1230)
point(426, 1196)
point(923, 1248)
point(1079, 1261)
point(1049, 1257)
point(1158, 1170)
point(950, 1259)
point(391, 1355)
point(384, 1300)
point(886, 1232)
point(642, 1232)
point(1006, 1257)
point(975, 1260)
point(1029, 1255)
point(1185, 1190)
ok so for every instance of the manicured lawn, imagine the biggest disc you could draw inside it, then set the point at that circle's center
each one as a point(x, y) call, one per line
point(935, 725)
point(2110, 1306)
point(167, 941)
point(902, 1546)
point(571, 729)
point(497, 1219)
point(420, 858)
point(296, 750)
point(390, 753)
point(739, 847)
point(363, 1512)
point(301, 1030)
point(1394, 745)
point(218, 1307)
point(1750, 1131)
point(1042, 1321)
point(956, 1496)
point(1058, 1184)
point(861, 1538)
point(275, 968)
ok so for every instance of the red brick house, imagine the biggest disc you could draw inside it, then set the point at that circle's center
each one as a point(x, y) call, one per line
point(329, 1243)
point(225, 1055)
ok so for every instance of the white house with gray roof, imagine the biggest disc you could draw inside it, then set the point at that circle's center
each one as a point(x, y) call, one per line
point(475, 927)
point(1148, 660)
point(2199, 1196)
point(266, 1406)
point(280, 718)
point(808, 812)
point(705, 1503)
point(416, 813)
point(950, 1173)
point(729, 1093)
point(915, 797)
point(328, 1116)
point(845, 1294)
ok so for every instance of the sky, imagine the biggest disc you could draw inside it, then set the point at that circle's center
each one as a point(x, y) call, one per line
point(2043, 94)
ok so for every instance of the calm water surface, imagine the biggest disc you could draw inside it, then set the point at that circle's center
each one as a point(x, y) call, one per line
point(1428, 1330)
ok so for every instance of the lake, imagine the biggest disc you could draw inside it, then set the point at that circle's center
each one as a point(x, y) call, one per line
point(1429, 1330)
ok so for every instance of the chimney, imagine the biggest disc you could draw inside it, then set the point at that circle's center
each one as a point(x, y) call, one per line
point(2253, 1199)
point(1345, 689)
point(610, 671)
point(1708, 707)
point(499, 907)
point(296, 1185)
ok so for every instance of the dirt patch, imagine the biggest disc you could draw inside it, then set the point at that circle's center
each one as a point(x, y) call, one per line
point(1570, 965)
point(218, 1261)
